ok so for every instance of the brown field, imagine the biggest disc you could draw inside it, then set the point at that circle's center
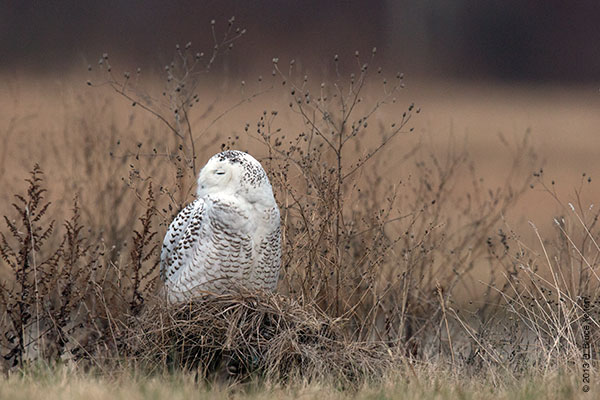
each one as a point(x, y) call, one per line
point(562, 123)
point(425, 269)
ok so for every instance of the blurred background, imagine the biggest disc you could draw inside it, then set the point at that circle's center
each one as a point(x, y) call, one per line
point(534, 41)
point(479, 70)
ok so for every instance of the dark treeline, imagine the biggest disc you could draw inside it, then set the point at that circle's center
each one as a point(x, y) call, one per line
point(537, 40)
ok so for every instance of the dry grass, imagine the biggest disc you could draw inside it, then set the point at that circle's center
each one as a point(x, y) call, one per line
point(252, 335)
point(421, 271)
point(425, 383)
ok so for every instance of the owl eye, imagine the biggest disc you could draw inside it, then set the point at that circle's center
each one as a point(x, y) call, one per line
point(219, 172)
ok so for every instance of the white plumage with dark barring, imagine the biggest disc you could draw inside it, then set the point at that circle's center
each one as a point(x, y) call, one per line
point(228, 237)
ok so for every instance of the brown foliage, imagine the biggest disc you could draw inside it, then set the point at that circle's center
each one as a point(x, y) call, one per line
point(246, 335)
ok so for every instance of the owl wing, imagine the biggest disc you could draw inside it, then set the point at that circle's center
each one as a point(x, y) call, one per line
point(269, 260)
point(170, 255)
point(206, 249)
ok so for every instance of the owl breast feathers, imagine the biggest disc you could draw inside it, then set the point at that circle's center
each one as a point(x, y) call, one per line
point(229, 237)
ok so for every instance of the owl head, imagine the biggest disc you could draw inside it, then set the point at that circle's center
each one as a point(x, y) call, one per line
point(235, 173)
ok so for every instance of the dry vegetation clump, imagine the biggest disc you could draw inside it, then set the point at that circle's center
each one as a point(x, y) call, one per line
point(547, 311)
point(62, 301)
point(249, 335)
point(385, 252)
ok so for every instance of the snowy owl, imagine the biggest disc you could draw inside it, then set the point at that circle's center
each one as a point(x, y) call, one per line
point(228, 237)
